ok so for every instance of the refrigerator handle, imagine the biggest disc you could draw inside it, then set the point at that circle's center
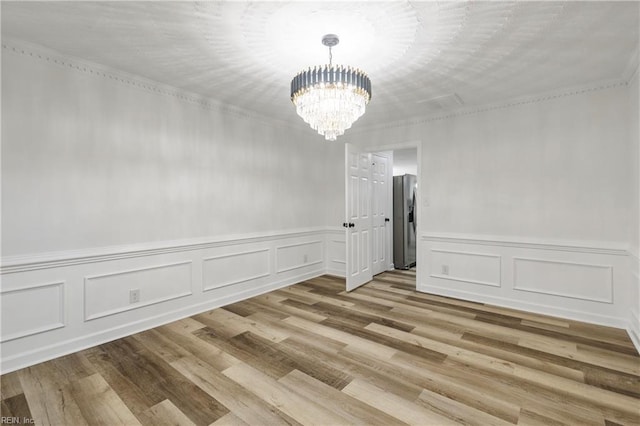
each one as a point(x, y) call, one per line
point(413, 211)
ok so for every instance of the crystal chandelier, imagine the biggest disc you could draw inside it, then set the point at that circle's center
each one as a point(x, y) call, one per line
point(330, 98)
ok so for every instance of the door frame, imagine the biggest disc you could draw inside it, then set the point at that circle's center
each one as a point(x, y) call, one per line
point(417, 143)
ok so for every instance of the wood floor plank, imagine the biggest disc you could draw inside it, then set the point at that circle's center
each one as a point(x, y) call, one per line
point(243, 347)
point(10, 385)
point(571, 409)
point(238, 399)
point(136, 398)
point(99, 404)
point(164, 414)
point(158, 378)
point(197, 347)
point(393, 405)
point(312, 353)
point(16, 406)
point(506, 352)
point(350, 408)
point(220, 318)
point(185, 325)
point(529, 418)
point(290, 310)
point(294, 404)
point(230, 420)
point(341, 336)
point(457, 411)
point(570, 350)
point(593, 374)
point(49, 397)
point(464, 387)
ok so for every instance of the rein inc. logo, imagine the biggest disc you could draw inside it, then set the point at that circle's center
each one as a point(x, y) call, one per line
point(6, 420)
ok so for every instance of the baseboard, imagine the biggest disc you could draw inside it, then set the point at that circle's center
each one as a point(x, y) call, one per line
point(526, 306)
point(633, 330)
point(50, 352)
point(336, 273)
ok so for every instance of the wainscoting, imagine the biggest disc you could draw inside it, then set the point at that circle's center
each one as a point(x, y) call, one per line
point(634, 321)
point(60, 303)
point(585, 283)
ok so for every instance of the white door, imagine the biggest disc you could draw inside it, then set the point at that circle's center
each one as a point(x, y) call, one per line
point(358, 213)
point(381, 225)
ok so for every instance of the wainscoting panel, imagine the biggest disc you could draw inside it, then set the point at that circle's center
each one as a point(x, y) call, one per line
point(299, 255)
point(336, 252)
point(58, 303)
point(567, 279)
point(109, 294)
point(31, 310)
point(468, 267)
point(228, 269)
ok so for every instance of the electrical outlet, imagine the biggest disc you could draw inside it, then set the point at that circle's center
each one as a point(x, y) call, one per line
point(445, 269)
point(134, 295)
point(306, 258)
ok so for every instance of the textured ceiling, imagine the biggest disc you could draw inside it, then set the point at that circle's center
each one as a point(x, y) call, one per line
point(422, 57)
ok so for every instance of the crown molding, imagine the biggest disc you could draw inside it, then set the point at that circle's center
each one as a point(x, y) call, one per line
point(504, 104)
point(80, 65)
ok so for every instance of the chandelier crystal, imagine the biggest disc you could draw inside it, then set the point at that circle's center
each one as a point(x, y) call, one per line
point(330, 98)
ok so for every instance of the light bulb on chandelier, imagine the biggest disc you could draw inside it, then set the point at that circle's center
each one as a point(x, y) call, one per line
point(330, 98)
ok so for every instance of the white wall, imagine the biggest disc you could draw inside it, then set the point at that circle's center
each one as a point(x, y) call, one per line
point(634, 133)
point(92, 161)
point(112, 183)
point(524, 201)
point(405, 162)
point(551, 169)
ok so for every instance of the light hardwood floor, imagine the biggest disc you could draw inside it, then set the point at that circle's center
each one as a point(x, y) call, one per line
point(314, 354)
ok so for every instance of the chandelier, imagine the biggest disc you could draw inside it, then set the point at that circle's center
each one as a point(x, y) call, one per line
point(330, 98)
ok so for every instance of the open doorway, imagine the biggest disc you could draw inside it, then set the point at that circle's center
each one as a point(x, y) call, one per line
point(369, 209)
point(404, 208)
point(404, 160)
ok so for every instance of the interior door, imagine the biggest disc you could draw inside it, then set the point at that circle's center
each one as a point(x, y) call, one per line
point(358, 213)
point(381, 226)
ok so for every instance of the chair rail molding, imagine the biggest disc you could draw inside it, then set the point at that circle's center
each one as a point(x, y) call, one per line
point(25, 263)
point(602, 247)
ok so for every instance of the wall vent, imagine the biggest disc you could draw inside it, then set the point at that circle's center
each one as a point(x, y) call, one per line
point(444, 102)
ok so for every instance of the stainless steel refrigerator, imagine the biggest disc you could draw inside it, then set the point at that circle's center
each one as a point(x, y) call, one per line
point(404, 221)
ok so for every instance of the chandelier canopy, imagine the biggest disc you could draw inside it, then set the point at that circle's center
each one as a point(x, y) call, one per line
point(330, 98)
